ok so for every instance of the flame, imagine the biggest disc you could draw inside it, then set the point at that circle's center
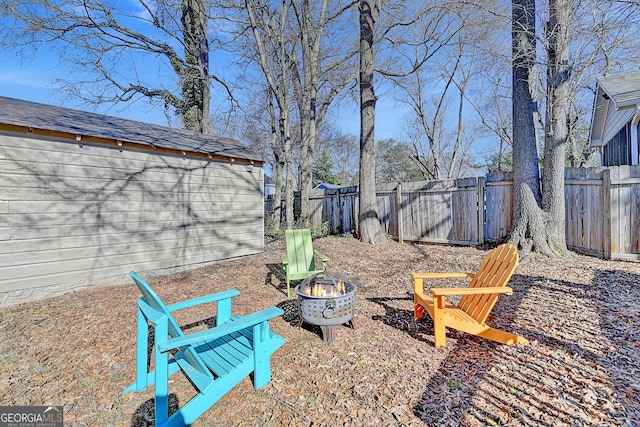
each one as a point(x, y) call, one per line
point(322, 290)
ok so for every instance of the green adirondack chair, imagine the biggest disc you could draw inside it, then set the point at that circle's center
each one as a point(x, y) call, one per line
point(299, 261)
point(214, 360)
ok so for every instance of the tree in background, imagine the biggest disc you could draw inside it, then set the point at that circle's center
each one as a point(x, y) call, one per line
point(396, 162)
point(576, 42)
point(369, 227)
point(107, 44)
point(323, 170)
point(321, 67)
point(271, 52)
point(500, 162)
point(528, 230)
point(343, 149)
point(436, 91)
point(304, 59)
point(557, 37)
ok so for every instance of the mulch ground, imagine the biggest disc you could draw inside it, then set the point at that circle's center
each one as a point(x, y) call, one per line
point(580, 315)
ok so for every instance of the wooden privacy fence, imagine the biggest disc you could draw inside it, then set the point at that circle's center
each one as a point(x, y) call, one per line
point(602, 210)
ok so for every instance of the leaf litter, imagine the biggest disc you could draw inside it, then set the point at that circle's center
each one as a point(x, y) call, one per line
point(580, 315)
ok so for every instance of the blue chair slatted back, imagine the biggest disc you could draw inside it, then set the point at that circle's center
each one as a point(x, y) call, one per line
point(152, 299)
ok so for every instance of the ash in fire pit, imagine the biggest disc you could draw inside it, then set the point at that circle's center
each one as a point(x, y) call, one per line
point(327, 300)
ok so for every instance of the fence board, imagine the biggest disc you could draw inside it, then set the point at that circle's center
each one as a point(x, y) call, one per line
point(602, 210)
point(498, 206)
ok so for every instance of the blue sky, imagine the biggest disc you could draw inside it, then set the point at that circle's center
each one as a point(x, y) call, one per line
point(34, 79)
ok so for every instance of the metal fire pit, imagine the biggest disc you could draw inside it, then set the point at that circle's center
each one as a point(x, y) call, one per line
point(327, 300)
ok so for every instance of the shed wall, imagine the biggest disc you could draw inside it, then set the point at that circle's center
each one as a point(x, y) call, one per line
point(77, 215)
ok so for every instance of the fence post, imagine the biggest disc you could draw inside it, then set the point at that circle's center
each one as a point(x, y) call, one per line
point(480, 183)
point(400, 223)
point(606, 209)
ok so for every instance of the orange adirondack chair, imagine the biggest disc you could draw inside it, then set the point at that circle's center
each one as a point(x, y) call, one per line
point(477, 300)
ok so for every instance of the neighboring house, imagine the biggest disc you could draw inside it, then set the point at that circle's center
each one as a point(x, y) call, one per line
point(86, 198)
point(616, 114)
point(269, 186)
point(326, 186)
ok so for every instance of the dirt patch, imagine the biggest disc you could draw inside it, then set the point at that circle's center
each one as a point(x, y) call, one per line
point(580, 315)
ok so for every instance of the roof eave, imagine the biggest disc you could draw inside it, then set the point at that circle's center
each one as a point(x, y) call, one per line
point(128, 145)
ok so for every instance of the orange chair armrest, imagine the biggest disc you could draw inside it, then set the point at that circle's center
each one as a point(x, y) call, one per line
point(441, 275)
point(471, 291)
point(418, 278)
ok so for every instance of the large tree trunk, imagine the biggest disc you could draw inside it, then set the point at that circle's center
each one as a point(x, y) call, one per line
point(195, 77)
point(528, 231)
point(553, 199)
point(369, 227)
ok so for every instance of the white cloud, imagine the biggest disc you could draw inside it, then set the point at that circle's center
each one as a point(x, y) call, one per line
point(29, 79)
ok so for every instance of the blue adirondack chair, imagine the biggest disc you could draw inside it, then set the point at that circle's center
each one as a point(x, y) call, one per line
point(214, 360)
point(299, 262)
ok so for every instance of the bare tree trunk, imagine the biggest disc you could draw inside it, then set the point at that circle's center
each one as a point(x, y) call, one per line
point(195, 79)
point(273, 45)
point(278, 168)
point(314, 19)
point(285, 133)
point(310, 43)
point(369, 227)
point(556, 132)
point(528, 230)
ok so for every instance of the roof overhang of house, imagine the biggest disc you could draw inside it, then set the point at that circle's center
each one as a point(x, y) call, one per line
point(613, 93)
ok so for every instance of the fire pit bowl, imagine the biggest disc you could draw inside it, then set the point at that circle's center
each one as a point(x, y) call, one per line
point(326, 299)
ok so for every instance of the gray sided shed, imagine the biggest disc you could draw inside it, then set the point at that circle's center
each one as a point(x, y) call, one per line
point(86, 198)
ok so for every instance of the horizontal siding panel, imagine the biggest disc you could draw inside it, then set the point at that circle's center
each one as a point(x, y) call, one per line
point(174, 253)
point(131, 194)
point(161, 179)
point(171, 255)
point(91, 273)
point(209, 175)
point(72, 213)
point(123, 206)
point(77, 248)
point(29, 185)
point(51, 238)
point(50, 226)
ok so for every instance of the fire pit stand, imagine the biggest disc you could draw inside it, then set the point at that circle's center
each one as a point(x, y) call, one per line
point(327, 300)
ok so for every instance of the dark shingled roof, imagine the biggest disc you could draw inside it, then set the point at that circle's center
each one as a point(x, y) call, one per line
point(48, 117)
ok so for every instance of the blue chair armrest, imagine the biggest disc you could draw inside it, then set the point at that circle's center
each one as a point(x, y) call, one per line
point(222, 330)
point(204, 299)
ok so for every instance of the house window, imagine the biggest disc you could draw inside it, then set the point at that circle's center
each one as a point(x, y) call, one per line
point(618, 150)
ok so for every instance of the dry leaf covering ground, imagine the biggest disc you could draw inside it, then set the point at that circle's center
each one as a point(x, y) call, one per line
point(581, 316)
